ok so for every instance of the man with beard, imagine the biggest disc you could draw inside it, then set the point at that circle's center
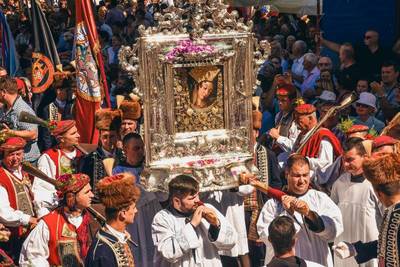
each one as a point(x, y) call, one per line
point(356, 199)
point(16, 205)
point(188, 232)
point(148, 204)
point(319, 219)
point(61, 238)
point(54, 162)
point(113, 245)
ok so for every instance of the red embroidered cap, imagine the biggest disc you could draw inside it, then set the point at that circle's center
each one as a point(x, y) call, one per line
point(357, 128)
point(12, 144)
point(57, 128)
point(305, 109)
point(383, 140)
point(71, 183)
point(286, 90)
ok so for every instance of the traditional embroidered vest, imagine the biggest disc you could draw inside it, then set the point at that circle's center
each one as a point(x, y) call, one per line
point(389, 238)
point(19, 195)
point(64, 248)
point(284, 123)
point(61, 161)
point(122, 251)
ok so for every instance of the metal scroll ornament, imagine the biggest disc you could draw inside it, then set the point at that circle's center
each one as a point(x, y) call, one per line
point(195, 72)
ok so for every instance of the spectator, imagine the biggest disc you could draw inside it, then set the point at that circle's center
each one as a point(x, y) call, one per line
point(13, 105)
point(298, 72)
point(310, 66)
point(365, 108)
point(114, 14)
point(387, 90)
point(349, 72)
point(362, 86)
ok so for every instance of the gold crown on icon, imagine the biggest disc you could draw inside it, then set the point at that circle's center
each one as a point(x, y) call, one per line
point(206, 73)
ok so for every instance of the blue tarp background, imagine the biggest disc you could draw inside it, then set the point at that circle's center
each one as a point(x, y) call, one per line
point(347, 20)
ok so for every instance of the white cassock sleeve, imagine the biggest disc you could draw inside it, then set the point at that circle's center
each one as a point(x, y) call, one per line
point(35, 249)
point(331, 215)
point(245, 190)
point(172, 246)
point(267, 215)
point(325, 157)
point(286, 143)
point(9, 216)
point(227, 237)
point(45, 194)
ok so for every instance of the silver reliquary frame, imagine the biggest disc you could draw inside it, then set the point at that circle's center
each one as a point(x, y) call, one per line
point(196, 88)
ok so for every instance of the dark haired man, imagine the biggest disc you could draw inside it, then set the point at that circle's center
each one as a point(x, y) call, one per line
point(113, 245)
point(319, 218)
point(61, 238)
point(282, 235)
point(387, 91)
point(148, 204)
point(356, 199)
point(188, 232)
point(383, 171)
point(13, 104)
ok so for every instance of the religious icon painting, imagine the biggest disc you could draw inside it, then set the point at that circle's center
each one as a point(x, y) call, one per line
point(198, 98)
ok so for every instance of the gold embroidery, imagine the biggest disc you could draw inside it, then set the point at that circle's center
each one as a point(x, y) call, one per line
point(66, 232)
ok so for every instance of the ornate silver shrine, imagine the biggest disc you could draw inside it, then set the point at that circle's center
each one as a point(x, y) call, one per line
point(195, 73)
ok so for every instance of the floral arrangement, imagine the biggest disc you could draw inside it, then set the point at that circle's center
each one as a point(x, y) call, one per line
point(52, 125)
point(345, 124)
point(188, 49)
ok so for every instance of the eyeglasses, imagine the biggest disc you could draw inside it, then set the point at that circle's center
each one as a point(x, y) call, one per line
point(323, 64)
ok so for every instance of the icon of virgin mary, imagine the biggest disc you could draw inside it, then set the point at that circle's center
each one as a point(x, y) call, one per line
point(203, 94)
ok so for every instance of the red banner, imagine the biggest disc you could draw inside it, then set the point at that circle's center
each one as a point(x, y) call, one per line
point(91, 79)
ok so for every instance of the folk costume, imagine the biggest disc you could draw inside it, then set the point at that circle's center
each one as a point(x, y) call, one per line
point(313, 237)
point(387, 247)
point(178, 243)
point(16, 205)
point(285, 122)
point(131, 111)
point(53, 162)
point(147, 206)
point(322, 148)
point(92, 164)
point(60, 238)
point(111, 247)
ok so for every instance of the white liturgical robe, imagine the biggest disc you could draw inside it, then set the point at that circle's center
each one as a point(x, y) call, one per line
point(310, 245)
point(362, 214)
point(178, 243)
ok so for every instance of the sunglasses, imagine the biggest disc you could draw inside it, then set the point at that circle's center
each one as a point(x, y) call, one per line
point(362, 105)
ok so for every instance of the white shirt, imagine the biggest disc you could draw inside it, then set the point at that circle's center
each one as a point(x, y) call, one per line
point(178, 243)
point(45, 194)
point(298, 69)
point(9, 216)
point(35, 250)
point(121, 237)
point(286, 142)
point(312, 246)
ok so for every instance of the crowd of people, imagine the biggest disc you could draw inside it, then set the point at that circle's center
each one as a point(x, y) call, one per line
point(333, 191)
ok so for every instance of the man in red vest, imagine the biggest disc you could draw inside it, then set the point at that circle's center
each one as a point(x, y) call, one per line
point(54, 162)
point(61, 238)
point(16, 208)
point(323, 146)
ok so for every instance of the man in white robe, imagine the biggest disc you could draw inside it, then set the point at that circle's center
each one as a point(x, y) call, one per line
point(357, 201)
point(319, 218)
point(189, 233)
